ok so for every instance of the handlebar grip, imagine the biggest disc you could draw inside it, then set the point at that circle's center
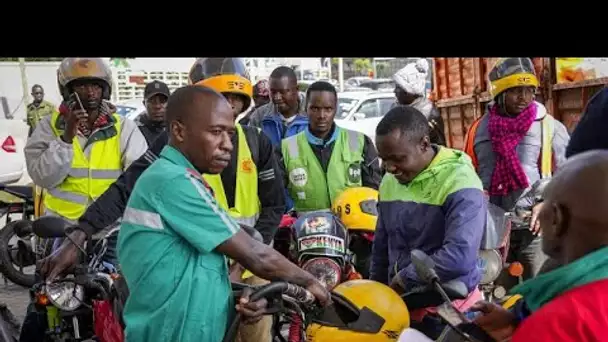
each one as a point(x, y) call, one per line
point(300, 294)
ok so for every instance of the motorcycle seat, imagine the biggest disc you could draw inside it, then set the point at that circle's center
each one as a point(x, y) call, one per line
point(24, 192)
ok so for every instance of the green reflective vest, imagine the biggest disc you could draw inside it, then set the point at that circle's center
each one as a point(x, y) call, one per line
point(309, 186)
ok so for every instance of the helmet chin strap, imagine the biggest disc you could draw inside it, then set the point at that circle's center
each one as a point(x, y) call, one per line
point(501, 101)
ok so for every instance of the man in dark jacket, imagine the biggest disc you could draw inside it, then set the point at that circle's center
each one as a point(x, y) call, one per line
point(109, 207)
point(152, 122)
point(590, 133)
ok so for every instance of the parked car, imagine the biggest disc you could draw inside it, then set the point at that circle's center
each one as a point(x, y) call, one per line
point(354, 82)
point(362, 111)
point(130, 109)
point(13, 135)
point(382, 84)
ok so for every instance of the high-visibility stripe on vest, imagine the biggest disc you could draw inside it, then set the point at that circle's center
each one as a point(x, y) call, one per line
point(309, 186)
point(546, 154)
point(247, 206)
point(88, 178)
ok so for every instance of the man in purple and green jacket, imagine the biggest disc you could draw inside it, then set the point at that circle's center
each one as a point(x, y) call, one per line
point(430, 199)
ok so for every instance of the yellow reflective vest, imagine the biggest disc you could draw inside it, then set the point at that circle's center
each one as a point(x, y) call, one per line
point(246, 208)
point(88, 177)
point(247, 205)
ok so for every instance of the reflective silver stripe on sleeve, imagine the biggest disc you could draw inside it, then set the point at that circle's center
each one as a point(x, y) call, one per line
point(292, 146)
point(353, 140)
point(95, 174)
point(228, 221)
point(68, 196)
point(150, 157)
point(266, 175)
point(142, 218)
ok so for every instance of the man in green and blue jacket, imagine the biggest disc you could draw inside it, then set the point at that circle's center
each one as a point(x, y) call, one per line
point(430, 199)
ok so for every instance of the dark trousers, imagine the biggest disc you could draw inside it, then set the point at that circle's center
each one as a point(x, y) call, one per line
point(525, 248)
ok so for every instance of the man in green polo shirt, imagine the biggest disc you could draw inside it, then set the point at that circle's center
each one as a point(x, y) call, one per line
point(324, 160)
point(175, 238)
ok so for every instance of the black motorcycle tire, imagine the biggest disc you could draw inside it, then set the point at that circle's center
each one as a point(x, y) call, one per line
point(6, 265)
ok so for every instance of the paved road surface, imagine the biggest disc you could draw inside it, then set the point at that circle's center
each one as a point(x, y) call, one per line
point(15, 297)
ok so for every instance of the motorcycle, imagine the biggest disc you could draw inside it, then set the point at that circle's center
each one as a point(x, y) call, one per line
point(321, 241)
point(494, 252)
point(344, 320)
point(19, 247)
point(85, 305)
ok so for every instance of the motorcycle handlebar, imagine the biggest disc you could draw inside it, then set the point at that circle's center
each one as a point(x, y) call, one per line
point(298, 293)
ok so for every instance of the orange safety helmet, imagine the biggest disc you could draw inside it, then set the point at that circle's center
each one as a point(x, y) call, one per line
point(224, 75)
point(78, 68)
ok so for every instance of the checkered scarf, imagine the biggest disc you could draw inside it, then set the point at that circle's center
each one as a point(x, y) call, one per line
point(505, 134)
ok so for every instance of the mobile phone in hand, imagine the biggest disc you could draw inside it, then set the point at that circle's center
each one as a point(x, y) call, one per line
point(75, 101)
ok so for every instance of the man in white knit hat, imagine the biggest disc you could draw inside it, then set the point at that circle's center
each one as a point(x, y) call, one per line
point(410, 90)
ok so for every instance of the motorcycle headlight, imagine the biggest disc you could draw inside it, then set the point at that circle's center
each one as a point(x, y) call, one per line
point(326, 270)
point(66, 296)
point(490, 264)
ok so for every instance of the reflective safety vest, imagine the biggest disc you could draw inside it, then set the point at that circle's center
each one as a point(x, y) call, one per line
point(88, 177)
point(546, 161)
point(309, 186)
point(247, 205)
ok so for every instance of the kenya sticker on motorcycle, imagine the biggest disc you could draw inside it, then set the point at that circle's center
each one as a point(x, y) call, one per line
point(321, 241)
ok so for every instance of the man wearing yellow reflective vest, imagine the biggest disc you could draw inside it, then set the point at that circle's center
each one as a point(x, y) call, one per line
point(251, 187)
point(325, 159)
point(76, 153)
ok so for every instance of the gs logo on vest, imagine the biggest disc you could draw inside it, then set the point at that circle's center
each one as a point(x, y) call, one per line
point(298, 177)
point(354, 173)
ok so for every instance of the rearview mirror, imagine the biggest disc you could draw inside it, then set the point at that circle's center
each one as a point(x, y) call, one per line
point(424, 266)
point(538, 188)
point(49, 227)
point(358, 116)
